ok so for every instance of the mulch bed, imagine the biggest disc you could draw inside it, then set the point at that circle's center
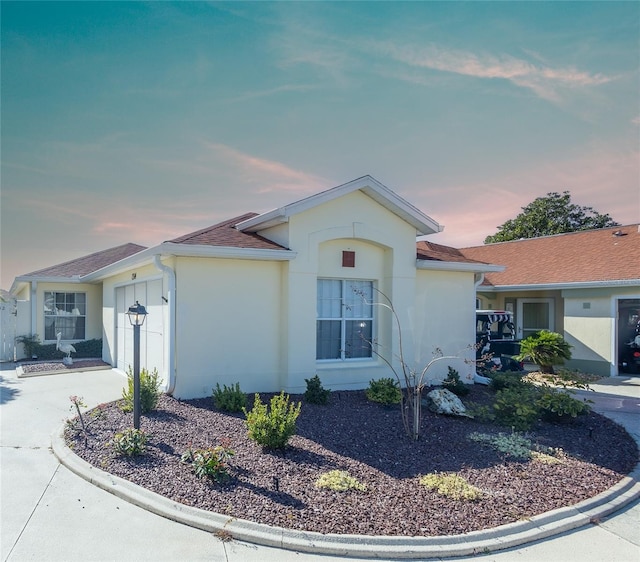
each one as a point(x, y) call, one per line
point(353, 434)
point(59, 366)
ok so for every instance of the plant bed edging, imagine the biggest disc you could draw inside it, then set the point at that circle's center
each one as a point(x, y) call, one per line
point(538, 527)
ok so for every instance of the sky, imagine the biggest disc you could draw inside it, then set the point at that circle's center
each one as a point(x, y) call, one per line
point(139, 122)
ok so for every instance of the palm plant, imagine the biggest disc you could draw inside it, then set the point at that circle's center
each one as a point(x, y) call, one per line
point(545, 349)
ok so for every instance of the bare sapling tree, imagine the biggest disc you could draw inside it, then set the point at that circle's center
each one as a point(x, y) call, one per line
point(412, 381)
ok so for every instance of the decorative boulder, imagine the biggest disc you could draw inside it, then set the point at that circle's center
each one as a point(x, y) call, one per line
point(443, 401)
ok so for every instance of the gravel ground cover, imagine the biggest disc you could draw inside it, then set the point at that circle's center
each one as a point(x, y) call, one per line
point(55, 366)
point(367, 441)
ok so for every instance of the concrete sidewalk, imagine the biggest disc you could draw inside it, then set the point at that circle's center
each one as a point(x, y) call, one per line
point(48, 513)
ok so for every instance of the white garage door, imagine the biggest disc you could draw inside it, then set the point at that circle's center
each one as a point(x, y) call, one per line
point(148, 294)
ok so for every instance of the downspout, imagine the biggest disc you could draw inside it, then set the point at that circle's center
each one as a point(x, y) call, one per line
point(171, 303)
point(478, 279)
point(34, 309)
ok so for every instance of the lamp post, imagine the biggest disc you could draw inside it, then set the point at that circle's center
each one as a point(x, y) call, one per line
point(137, 313)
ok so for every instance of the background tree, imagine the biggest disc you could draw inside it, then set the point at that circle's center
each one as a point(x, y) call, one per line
point(553, 214)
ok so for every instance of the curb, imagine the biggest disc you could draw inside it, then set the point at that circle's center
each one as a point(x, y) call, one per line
point(536, 528)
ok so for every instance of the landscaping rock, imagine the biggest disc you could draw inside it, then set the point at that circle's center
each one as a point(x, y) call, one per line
point(443, 401)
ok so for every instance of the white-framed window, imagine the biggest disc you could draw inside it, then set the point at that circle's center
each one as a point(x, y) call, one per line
point(66, 313)
point(344, 327)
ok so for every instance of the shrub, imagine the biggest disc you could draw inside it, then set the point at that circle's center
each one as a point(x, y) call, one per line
point(454, 384)
point(506, 379)
point(149, 391)
point(84, 349)
point(130, 442)
point(511, 444)
point(516, 407)
point(31, 344)
point(545, 349)
point(339, 481)
point(451, 485)
point(315, 393)
point(229, 398)
point(272, 427)
point(209, 462)
point(385, 391)
point(481, 412)
point(557, 405)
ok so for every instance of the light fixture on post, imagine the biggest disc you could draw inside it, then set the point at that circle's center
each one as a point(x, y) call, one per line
point(137, 313)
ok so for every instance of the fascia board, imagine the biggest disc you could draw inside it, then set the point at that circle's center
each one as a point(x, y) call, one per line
point(378, 192)
point(45, 279)
point(458, 266)
point(230, 252)
point(561, 286)
point(189, 250)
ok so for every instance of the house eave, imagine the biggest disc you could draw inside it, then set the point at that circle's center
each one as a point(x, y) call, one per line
point(378, 192)
point(560, 286)
point(435, 265)
point(169, 249)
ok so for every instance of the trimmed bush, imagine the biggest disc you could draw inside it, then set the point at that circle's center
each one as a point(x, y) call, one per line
point(557, 405)
point(149, 391)
point(316, 393)
point(272, 427)
point(84, 349)
point(385, 391)
point(229, 398)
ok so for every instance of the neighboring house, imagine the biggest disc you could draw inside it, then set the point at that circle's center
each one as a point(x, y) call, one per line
point(270, 300)
point(58, 299)
point(584, 285)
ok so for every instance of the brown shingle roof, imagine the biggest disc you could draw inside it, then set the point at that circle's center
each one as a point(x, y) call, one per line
point(225, 234)
point(437, 252)
point(88, 264)
point(608, 254)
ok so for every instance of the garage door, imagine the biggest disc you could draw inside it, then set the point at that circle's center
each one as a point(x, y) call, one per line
point(148, 294)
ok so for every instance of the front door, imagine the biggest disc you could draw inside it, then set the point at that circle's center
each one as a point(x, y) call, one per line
point(534, 315)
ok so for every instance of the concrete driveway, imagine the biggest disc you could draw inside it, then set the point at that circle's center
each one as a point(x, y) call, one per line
point(48, 513)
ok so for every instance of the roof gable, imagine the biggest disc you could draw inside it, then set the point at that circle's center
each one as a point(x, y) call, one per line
point(368, 185)
point(606, 255)
point(86, 264)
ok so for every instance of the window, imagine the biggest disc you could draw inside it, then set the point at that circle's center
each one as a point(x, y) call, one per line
point(66, 313)
point(345, 319)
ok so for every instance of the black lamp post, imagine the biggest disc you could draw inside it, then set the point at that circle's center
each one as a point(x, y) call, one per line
point(137, 313)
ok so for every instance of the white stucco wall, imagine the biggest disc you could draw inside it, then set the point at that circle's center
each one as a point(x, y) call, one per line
point(445, 319)
point(228, 325)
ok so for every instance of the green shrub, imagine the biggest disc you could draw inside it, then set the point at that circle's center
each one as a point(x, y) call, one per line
point(506, 379)
point(545, 349)
point(149, 391)
point(385, 391)
point(516, 407)
point(558, 405)
point(229, 398)
point(451, 485)
point(480, 412)
point(315, 393)
point(84, 349)
point(272, 427)
point(209, 462)
point(339, 481)
point(130, 442)
point(454, 384)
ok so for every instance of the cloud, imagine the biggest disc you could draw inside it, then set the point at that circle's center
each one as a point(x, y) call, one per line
point(545, 81)
point(268, 175)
